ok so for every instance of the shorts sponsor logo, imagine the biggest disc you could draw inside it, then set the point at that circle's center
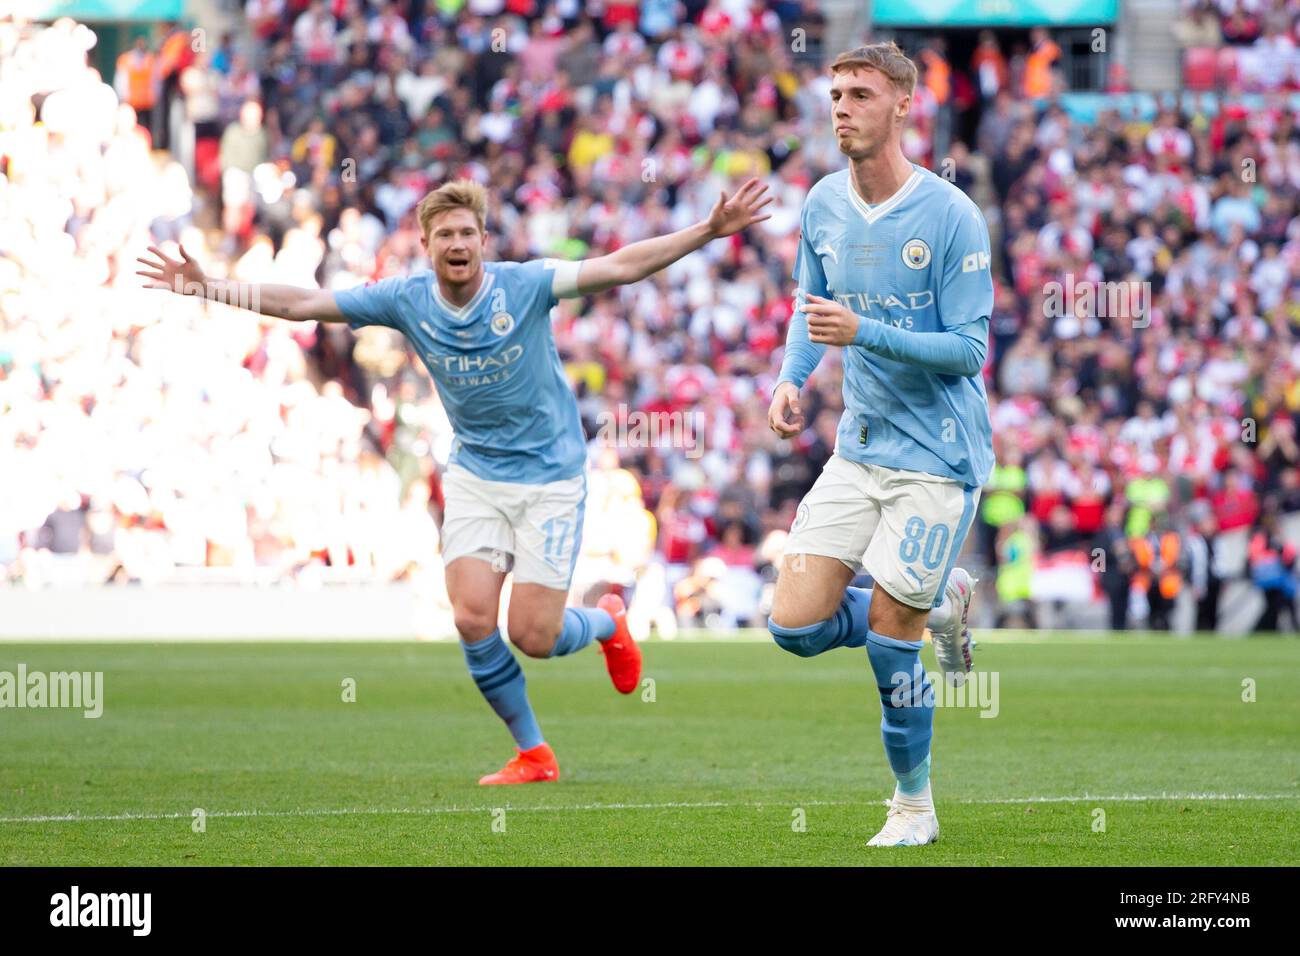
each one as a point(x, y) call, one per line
point(801, 517)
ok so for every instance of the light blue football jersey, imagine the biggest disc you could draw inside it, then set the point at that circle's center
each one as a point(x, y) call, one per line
point(495, 366)
point(918, 261)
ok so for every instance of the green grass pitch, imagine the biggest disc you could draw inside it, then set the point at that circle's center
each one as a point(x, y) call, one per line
point(741, 745)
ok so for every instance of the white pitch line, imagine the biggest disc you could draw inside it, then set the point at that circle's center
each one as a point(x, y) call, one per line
point(705, 805)
point(1137, 798)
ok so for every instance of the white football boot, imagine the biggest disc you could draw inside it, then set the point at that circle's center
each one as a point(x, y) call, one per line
point(952, 643)
point(904, 827)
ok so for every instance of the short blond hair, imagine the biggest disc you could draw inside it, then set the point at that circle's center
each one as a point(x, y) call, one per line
point(457, 194)
point(885, 57)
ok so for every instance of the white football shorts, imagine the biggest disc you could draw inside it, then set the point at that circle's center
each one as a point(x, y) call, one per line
point(905, 528)
point(534, 529)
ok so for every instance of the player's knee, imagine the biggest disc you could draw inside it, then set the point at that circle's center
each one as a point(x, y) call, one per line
point(792, 639)
point(533, 639)
point(789, 627)
point(787, 614)
point(474, 624)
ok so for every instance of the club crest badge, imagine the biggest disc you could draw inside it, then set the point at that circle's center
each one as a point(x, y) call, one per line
point(916, 254)
point(502, 323)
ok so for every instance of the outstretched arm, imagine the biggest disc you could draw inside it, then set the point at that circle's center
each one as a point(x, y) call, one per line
point(184, 277)
point(635, 262)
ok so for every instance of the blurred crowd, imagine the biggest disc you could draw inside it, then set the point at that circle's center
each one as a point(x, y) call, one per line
point(142, 434)
point(1266, 24)
point(1239, 44)
point(1143, 349)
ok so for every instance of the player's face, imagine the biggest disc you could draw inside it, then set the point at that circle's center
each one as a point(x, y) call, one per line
point(455, 246)
point(866, 111)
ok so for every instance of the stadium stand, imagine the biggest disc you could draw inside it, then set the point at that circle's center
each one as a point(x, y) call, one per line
point(1147, 448)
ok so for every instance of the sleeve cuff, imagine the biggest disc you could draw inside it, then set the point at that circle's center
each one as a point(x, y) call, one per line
point(564, 281)
point(865, 337)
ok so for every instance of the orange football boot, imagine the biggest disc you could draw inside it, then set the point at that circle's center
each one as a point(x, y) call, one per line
point(622, 656)
point(535, 765)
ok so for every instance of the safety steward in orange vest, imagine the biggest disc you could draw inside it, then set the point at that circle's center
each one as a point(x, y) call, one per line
point(1159, 559)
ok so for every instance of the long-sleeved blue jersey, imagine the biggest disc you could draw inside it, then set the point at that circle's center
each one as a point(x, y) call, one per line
point(915, 268)
point(494, 364)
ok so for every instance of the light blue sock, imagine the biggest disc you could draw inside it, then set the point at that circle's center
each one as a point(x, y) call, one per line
point(581, 626)
point(907, 708)
point(915, 780)
point(847, 627)
point(501, 681)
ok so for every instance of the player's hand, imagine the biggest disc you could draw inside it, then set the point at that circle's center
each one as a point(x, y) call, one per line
point(830, 323)
point(785, 401)
point(732, 215)
point(182, 276)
